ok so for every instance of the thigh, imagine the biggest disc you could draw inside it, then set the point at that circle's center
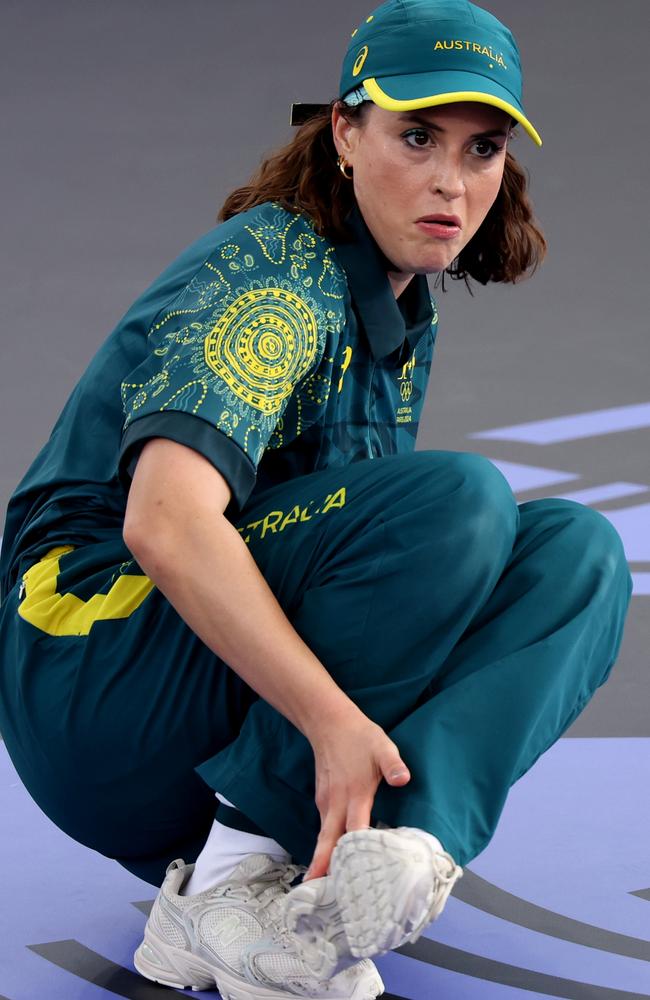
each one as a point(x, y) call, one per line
point(301, 532)
point(369, 559)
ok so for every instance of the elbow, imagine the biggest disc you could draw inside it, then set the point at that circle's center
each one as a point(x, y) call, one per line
point(132, 535)
point(149, 543)
point(176, 496)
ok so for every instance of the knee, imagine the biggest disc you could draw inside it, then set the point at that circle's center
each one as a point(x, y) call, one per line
point(472, 508)
point(588, 536)
point(589, 531)
point(600, 545)
point(485, 501)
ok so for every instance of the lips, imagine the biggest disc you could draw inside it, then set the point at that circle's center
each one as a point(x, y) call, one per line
point(440, 227)
point(443, 220)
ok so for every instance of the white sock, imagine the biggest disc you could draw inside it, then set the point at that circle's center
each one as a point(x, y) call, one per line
point(223, 851)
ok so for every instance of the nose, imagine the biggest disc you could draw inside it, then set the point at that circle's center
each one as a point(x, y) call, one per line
point(447, 178)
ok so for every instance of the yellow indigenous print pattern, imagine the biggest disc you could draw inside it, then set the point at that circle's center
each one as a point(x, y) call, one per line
point(262, 346)
point(245, 337)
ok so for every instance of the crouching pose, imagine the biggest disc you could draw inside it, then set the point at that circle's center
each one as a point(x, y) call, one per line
point(230, 583)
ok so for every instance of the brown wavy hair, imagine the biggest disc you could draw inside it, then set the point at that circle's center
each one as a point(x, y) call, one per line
point(304, 177)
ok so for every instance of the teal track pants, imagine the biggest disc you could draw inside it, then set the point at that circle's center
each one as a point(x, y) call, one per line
point(472, 629)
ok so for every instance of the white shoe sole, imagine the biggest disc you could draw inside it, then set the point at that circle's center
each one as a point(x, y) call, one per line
point(169, 966)
point(378, 896)
point(163, 963)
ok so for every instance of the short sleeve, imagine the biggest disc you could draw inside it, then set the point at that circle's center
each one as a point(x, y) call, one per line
point(226, 355)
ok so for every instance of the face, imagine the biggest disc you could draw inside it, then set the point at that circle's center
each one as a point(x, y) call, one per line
point(425, 180)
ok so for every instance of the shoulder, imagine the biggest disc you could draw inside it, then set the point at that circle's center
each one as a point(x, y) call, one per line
point(269, 248)
point(267, 288)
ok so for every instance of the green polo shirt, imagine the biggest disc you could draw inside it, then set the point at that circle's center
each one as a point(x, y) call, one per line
point(270, 350)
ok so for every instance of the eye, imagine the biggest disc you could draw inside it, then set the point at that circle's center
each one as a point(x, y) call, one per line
point(417, 138)
point(485, 148)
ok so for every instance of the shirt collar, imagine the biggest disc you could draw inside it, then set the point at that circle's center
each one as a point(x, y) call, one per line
point(389, 323)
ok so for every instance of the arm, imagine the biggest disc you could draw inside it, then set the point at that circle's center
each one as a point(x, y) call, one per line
point(176, 504)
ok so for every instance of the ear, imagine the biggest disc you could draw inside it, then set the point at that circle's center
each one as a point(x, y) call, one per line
point(344, 134)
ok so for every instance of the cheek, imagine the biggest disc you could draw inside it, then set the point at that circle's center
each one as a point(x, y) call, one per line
point(484, 193)
point(380, 173)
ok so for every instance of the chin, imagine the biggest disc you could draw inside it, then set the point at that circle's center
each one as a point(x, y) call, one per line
point(431, 264)
point(431, 260)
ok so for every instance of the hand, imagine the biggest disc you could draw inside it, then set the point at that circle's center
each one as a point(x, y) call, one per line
point(351, 760)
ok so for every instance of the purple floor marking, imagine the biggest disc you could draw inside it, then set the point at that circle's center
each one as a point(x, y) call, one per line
point(530, 477)
point(633, 525)
point(572, 838)
point(417, 981)
point(641, 584)
point(607, 491)
point(502, 941)
point(573, 426)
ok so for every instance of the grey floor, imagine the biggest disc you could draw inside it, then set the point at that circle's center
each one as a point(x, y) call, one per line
point(125, 124)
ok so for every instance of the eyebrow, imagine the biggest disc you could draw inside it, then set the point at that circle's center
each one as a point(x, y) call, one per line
point(421, 120)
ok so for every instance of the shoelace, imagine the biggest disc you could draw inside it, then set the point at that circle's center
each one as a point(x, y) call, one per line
point(445, 879)
point(269, 890)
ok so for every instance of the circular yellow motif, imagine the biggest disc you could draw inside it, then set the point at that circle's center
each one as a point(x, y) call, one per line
point(360, 60)
point(270, 346)
point(262, 346)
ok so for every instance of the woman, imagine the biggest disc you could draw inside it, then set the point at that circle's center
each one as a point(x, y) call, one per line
point(228, 571)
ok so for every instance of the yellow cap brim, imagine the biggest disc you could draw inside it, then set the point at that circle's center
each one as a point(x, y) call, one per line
point(384, 100)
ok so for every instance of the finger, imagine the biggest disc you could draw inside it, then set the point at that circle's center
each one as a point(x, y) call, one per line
point(393, 768)
point(322, 855)
point(332, 828)
point(359, 811)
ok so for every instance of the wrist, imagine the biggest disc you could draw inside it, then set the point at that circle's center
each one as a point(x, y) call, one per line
point(334, 713)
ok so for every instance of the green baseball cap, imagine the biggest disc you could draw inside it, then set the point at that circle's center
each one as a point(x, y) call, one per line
point(412, 54)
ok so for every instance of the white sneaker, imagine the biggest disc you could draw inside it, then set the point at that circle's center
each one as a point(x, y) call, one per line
point(384, 887)
point(233, 937)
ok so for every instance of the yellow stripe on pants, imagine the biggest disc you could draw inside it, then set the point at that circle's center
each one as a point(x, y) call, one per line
point(66, 614)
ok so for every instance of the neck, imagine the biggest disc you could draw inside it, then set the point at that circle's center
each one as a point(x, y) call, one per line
point(399, 281)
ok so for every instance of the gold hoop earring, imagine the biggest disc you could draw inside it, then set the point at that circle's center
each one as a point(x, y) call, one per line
point(343, 165)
